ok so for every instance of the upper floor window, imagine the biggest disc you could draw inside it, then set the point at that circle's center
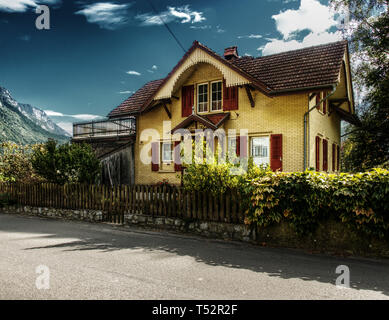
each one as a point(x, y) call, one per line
point(321, 105)
point(216, 96)
point(202, 97)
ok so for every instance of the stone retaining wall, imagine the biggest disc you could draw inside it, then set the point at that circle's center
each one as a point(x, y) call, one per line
point(330, 237)
point(80, 215)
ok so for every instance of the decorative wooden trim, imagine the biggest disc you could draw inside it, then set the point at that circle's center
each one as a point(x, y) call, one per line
point(167, 111)
point(248, 92)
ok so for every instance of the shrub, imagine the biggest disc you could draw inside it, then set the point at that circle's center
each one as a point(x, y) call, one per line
point(15, 163)
point(66, 163)
point(216, 178)
point(306, 198)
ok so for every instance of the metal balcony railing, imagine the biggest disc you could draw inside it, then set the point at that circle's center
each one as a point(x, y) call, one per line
point(120, 127)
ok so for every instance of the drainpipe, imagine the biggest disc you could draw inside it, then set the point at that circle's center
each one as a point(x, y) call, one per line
point(306, 121)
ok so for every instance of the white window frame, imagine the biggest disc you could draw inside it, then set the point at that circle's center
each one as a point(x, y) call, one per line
point(163, 152)
point(268, 149)
point(221, 96)
point(198, 100)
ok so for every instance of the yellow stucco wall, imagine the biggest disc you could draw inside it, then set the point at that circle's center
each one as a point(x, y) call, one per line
point(277, 115)
point(326, 126)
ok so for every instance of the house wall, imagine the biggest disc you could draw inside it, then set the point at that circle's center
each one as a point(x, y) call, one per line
point(118, 167)
point(326, 126)
point(277, 115)
point(271, 115)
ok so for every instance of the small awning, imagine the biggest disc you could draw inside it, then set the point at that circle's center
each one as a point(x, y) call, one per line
point(210, 121)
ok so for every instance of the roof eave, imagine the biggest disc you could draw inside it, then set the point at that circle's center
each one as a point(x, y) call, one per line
point(310, 88)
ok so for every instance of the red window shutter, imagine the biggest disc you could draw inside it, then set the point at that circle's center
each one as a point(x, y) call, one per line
point(187, 99)
point(318, 153)
point(177, 156)
point(318, 100)
point(325, 155)
point(276, 152)
point(154, 156)
point(230, 97)
point(325, 103)
point(333, 157)
point(337, 157)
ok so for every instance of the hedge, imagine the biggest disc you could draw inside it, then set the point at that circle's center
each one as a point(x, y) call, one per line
point(304, 199)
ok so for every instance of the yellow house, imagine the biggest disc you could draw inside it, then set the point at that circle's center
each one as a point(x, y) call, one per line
point(285, 109)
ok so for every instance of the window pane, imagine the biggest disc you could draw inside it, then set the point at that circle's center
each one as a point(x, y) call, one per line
point(202, 98)
point(216, 95)
point(260, 150)
point(167, 152)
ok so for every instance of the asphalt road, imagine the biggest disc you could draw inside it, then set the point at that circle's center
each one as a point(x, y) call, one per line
point(100, 261)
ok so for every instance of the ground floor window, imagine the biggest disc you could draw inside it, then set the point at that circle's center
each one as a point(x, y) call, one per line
point(167, 152)
point(260, 150)
point(231, 147)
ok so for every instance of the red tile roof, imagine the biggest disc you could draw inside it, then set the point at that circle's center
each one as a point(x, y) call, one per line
point(218, 118)
point(213, 121)
point(307, 68)
point(137, 100)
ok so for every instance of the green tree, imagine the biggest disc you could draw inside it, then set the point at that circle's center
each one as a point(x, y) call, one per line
point(368, 146)
point(73, 163)
point(15, 162)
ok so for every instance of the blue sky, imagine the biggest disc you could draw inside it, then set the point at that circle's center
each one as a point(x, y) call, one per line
point(97, 53)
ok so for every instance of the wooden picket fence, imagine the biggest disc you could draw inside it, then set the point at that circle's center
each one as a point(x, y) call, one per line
point(116, 201)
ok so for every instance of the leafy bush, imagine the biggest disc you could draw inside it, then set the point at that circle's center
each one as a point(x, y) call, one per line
point(216, 177)
point(66, 163)
point(15, 163)
point(306, 198)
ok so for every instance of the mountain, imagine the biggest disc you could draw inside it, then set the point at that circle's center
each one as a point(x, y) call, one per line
point(26, 124)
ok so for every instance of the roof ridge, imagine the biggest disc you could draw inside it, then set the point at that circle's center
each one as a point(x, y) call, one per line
point(297, 50)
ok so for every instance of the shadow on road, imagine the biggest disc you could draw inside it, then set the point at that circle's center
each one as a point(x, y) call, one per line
point(282, 263)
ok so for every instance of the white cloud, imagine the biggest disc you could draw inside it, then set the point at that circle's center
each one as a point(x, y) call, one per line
point(23, 5)
point(107, 15)
point(153, 69)
point(312, 39)
point(67, 126)
point(133, 73)
point(311, 16)
point(126, 92)
point(201, 27)
point(183, 14)
point(52, 113)
point(250, 36)
point(85, 116)
point(219, 29)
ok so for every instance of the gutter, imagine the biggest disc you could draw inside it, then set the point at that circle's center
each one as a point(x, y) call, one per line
point(334, 86)
point(325, 86)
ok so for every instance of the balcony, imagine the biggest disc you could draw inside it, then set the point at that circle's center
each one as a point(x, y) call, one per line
point(121, 128)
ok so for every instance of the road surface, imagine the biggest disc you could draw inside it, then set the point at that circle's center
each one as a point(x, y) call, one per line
point(101, 261)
